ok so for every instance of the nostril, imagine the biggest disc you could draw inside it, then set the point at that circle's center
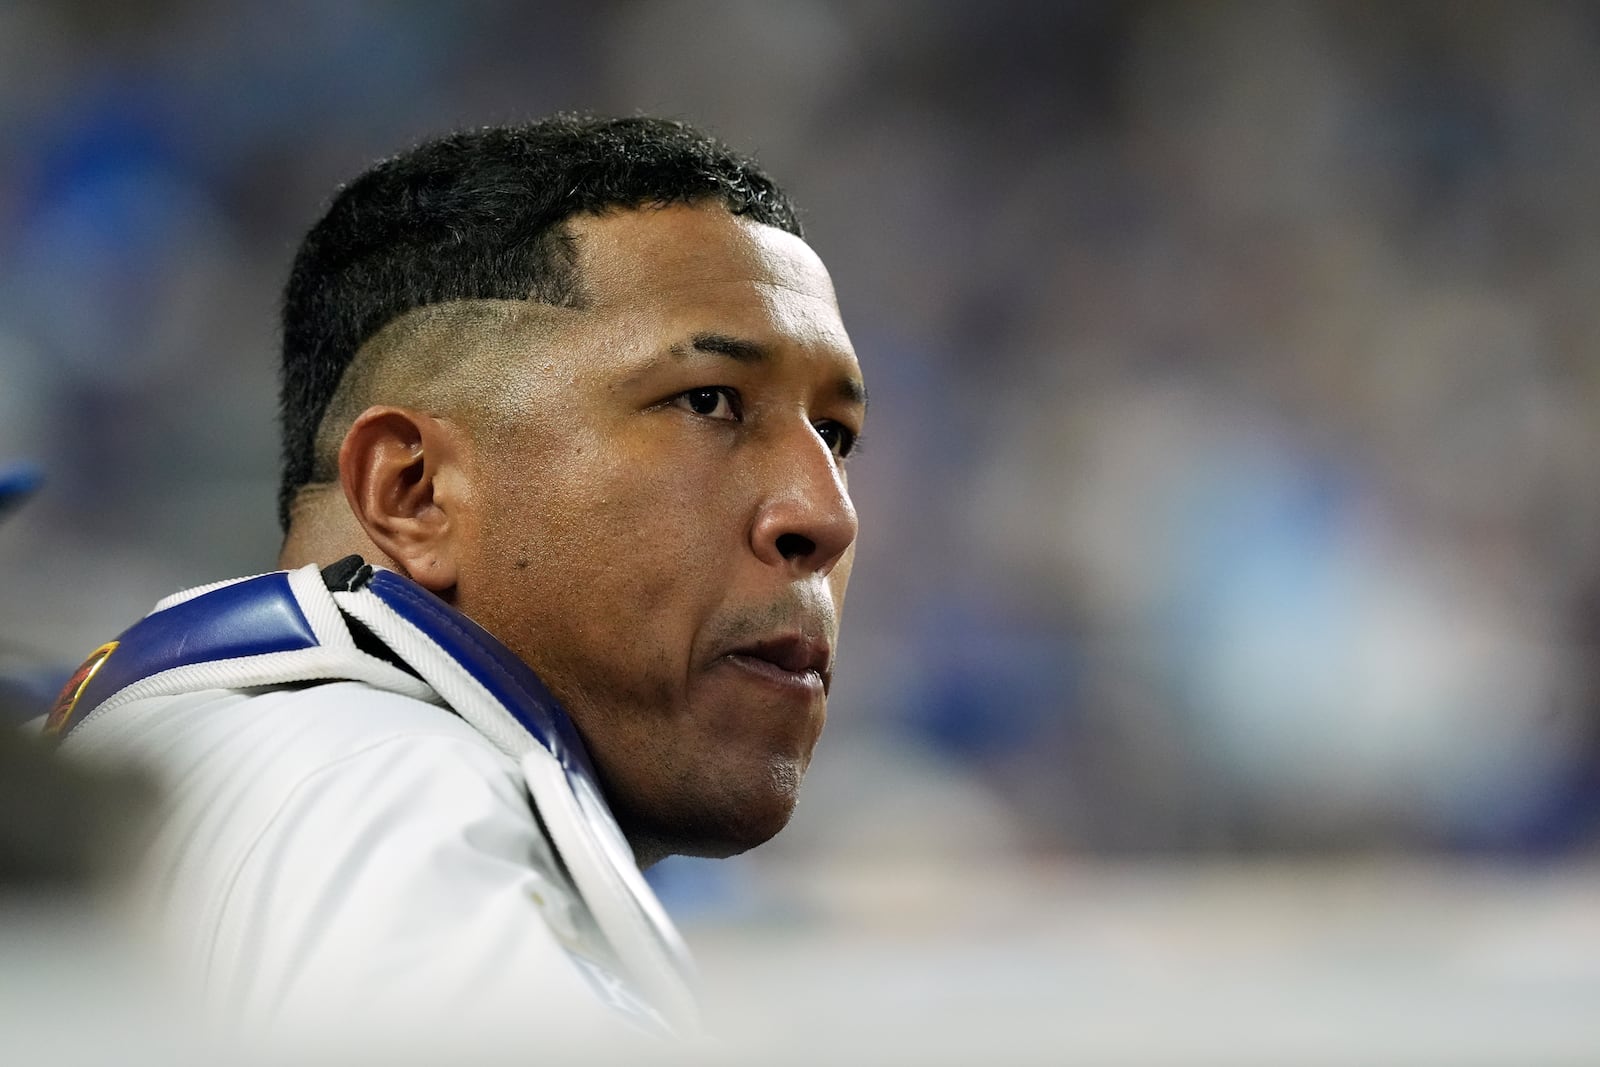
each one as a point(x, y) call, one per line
point(795, 546)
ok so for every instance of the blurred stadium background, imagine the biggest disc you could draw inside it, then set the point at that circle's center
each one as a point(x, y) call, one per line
point(1222, 642)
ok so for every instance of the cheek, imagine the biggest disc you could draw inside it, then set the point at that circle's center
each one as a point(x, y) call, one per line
point(655, 537)
point(609, 566)
point(839, 577)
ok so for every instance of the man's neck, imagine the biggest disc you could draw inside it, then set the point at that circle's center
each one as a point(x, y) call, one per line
point(322, 529)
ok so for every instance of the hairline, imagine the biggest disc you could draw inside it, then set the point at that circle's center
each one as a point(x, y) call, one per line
point(363, 265)
point(377, 355)
point(388, 367)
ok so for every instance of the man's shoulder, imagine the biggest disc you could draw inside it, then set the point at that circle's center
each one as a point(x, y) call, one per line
point(230, 763)
point(309, 834)
point(301, 726)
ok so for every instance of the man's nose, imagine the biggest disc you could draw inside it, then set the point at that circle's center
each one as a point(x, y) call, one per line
point(806, 520)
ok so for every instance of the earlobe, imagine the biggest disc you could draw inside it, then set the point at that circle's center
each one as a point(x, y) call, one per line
point(394, 466)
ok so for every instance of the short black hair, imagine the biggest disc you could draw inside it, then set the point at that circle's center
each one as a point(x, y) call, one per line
point(478, 215)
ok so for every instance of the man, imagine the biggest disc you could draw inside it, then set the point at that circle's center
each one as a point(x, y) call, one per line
point(583, 382)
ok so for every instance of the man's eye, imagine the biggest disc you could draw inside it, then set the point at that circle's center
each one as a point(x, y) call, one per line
point(713, 401)
point(841, 440)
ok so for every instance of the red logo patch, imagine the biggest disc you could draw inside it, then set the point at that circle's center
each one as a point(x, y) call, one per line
point(62, 710)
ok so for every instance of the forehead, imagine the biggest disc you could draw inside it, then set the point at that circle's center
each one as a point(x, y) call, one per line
point(691, 261)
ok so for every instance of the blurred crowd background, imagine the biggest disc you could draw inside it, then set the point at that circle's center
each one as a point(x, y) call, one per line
point(1229, 487)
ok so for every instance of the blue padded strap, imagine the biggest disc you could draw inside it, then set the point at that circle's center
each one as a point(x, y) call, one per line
point(249, 618)
point(261, 615)
point(508, 679)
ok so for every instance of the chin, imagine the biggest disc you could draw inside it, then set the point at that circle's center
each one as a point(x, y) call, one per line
point(735, 836)
point(716, 823)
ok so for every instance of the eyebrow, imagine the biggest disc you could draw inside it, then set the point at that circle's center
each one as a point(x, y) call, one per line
point(743, 351)
point(719, 344)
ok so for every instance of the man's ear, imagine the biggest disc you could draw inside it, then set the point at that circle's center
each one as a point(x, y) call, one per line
point(399, 471)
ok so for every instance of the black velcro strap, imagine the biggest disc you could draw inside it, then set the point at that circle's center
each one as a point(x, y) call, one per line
point(347, 575)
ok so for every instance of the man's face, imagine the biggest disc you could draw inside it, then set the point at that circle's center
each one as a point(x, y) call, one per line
point(662, 528)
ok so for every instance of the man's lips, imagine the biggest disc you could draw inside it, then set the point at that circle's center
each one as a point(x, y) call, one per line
point(792, 661)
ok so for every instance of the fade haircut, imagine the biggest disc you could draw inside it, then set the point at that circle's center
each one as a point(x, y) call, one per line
point(479, 215)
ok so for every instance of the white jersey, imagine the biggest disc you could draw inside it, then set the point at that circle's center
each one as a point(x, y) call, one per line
point(406, 846)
